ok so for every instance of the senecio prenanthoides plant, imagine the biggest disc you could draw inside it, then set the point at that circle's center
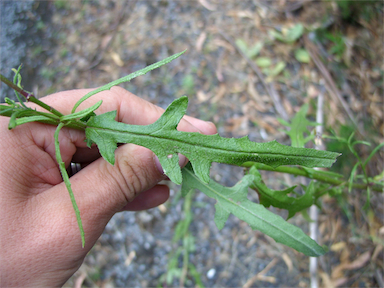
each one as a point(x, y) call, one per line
point(166, 142)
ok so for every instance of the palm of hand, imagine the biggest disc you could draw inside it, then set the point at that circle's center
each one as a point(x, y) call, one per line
point(28, 159)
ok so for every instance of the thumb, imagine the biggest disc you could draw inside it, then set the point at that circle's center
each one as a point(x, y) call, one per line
point(102, 189)
point(136, 169)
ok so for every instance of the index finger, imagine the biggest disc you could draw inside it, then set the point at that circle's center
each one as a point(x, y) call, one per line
point(130, 108)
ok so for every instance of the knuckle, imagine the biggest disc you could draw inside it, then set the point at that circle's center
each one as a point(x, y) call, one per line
point(130, 174)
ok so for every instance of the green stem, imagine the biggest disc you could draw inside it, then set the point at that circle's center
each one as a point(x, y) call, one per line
point(186, 250)
point(67, 182)
point(13, 86)
point(33, 99)
point(78, 125)
point(51, 118)
point(184, 270)
point(29, 96)
point(313, 175)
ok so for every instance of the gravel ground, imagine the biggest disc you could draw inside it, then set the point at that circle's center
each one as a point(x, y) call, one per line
point(88, 44)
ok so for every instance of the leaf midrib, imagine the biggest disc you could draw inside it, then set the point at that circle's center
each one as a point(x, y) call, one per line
point(113, 130)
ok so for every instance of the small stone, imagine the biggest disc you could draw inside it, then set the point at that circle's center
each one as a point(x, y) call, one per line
point(211, 273)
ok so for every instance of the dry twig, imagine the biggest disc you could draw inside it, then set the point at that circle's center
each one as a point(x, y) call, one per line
point(261, 275)
point(104, 45)
point(334, 92)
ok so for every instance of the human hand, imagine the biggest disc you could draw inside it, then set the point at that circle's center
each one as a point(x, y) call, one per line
point(40, 240)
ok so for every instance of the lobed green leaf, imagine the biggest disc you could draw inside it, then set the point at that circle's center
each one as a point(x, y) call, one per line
point(280, 198)
point(234, 201)
point(166, 142)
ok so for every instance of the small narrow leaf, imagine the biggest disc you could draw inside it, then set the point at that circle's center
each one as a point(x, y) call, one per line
point(377, 148)
point(17, 77)
point(17, 81)
point(255, 50)
point(21, 115)
point(126, 78)
point(294, 33)
point(302, 55)
point(37, 118)
point(6, 110)
point(242, 45)
point(263, 62)
point(234, 201)
point(288, 35)
point(279, 67)
point(249, 51)
point(163, 139)
point(83, 113)
point(12, 120)
point(65, 176)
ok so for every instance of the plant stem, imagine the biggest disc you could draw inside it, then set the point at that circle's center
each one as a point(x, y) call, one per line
point(13, 86)
point(186, 239)
point(68, 183)
point(313, 175)
point(33, 99)
point(50, 119)
point(29, 96)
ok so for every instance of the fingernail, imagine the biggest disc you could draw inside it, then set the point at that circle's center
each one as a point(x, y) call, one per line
point(182, 162)
point(158, 165)
point(205, 127)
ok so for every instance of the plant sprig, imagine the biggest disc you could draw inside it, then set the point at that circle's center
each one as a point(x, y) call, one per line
point(166, 142)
